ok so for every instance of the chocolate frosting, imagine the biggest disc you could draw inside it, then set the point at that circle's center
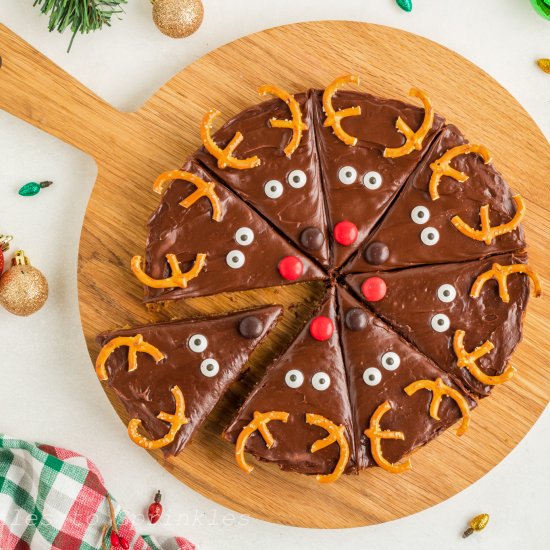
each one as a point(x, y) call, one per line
point(145, 392)
point(293, 439)
point(411, 301)
point(402, 236)
point(185, 232)
point(409, 414)
point(297, 208)
point(375, 130)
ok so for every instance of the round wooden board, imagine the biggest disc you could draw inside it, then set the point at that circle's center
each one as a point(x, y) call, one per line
point(132, 148)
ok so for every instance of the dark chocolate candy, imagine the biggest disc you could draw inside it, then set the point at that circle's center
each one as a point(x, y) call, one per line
point(407, 227)
point(251, 327)
point(379, 372)
point(419, 299)
point(296, 201)
point(376, 253)
point(242, 250)
point(359, 181)
point(356, 319)
point(312, 362)
point(312, 238)
point(145, 392)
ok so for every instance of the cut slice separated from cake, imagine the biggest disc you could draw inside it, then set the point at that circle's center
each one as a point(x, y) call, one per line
point(299, 415)
point(204, 240)
point(471, 337)
point(282, 184)
point(169, 376)
point(400, 399)
point(454, 207)
point(363, 176)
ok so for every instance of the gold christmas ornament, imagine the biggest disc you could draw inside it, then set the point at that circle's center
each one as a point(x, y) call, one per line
point(476, 524)
point(177, 18)
point(23, 288)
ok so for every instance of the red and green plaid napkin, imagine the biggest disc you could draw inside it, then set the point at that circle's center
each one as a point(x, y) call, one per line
point(54, 498)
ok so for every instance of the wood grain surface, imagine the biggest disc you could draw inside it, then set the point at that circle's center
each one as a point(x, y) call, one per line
point(131, 149)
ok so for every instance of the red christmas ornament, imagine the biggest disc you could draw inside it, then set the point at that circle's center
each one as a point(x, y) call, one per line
point(155, 509)
point(115, 541)
point(4, 245)
point(291, 268)
point(321, 328)
point(345, 233)
point(373, 289)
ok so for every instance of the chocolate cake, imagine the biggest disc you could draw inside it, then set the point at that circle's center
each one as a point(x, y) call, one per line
point(376, 197)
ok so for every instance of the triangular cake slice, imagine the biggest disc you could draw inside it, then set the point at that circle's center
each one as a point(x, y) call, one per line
point(286, 190)
point(180, 368)
point(428, 305)
point(359, 181)
point(438, 223)
point(240, 250)
point(380, 366)
point(305, 386)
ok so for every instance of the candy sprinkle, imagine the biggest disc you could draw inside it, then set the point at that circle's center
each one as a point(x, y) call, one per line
point(544, 64)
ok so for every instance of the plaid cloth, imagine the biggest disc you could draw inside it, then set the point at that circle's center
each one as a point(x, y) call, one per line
point(54, 498)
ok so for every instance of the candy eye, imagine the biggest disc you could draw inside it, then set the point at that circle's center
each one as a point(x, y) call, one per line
point(296, 179)
point(273, 189)
point(244, 236)
point(197, 343)
point(420, 214)
point(294, 378)
point(440, 322)
point(210, 367)
point(347, 175)
point(235, 259)
point(390, 360)
point(446, 293)
point(372, 180)
point(372, 376)
point(429, 236)
point(320, 381)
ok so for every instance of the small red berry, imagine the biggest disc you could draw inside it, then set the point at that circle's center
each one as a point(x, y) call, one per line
point(291, 268)
point(373, 289)
point(321, 328)
point(115, 541)
point(155, 509)
point(345, 233)
point(124, 544)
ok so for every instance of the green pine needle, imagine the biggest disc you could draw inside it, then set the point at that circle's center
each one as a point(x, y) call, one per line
point(81, 16)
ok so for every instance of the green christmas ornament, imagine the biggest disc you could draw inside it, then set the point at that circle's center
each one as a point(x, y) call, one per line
point(542, 7)
point(33, 188)
point(406, 5)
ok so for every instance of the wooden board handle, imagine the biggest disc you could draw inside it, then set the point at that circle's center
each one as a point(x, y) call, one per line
point(36, 90)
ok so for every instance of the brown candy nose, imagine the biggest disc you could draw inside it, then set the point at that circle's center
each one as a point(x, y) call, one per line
point(376, 253)
point(312, 238)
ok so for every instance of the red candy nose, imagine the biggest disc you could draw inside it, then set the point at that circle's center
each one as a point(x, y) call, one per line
point(345, 233)
point(291, 268)
point(373, 289)
point(321, 328)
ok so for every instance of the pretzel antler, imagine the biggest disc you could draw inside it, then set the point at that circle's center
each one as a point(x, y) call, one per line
point(259, 422)
point(442, 166)
point(176, 421)
point(375, 434)
point(204, 189)
point(488, 233)
point(334, 118)
point(177, 279)
point(468, 360)
point(414, 140)
point(500, 273)
point(225, 156)
point(296, 124)
point(439, 389)
point(135, 344)
point(336, 434)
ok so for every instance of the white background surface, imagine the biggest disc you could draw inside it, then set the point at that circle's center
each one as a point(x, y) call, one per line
point(48, 390)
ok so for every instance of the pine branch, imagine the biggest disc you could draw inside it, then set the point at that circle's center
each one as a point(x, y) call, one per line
point(81, 16)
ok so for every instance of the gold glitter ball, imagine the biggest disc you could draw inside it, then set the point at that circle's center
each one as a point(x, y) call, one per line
point(177, 18)
point(23, 290)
